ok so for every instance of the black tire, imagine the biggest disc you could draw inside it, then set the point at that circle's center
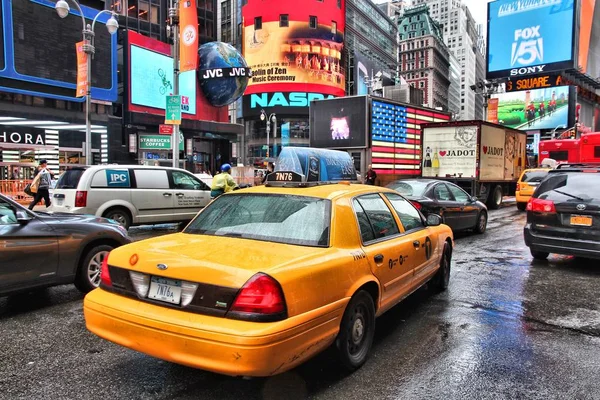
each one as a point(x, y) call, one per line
point(481, 224)
point(494, 199)
point(356, 331)
point(88, 273)
point(442, 278)
point(539, 255)
point(119, 214)
point(521, 206)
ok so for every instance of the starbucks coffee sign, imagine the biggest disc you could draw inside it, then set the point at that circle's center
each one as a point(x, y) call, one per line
point(22, 135)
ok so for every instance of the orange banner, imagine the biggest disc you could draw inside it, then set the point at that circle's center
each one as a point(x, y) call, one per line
point(188, 43)
point(82, 70)
point(492, 111)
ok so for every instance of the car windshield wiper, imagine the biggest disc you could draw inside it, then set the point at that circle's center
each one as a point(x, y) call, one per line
point(571, 195)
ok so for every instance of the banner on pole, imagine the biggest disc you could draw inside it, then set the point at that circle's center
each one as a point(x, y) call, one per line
point(492, 111)
point(82, 70)
point(188, 43)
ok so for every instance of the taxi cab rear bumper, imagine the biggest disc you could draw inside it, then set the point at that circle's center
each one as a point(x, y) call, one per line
point(220, 345)
point(523, 196)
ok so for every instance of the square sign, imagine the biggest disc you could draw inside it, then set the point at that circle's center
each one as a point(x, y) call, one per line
point(173, 110)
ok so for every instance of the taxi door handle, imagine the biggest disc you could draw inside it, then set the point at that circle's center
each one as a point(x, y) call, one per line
point(179, 194)
point(167, 194)
point(417, 244)
point(378, 258)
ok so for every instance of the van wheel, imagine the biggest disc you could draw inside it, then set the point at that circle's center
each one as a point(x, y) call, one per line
point(120, 215)
point(88, 274)
point(356, 331)
point(495, 198)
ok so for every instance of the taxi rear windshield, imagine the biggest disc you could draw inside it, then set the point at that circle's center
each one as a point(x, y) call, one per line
point(534, 176)
point(297, 220)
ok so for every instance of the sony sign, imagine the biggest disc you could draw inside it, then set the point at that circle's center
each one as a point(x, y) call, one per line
point(279, 99)
point(31, 136)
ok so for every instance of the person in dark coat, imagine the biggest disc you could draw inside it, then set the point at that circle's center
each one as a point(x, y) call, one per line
point(370, 176)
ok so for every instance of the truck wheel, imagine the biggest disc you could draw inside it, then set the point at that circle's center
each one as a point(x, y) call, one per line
point(495, 198)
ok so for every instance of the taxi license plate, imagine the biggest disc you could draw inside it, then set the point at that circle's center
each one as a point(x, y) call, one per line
point(581, 220)
point(167, 290)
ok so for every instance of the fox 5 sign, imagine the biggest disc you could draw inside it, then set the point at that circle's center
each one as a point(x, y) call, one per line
point(530, 37)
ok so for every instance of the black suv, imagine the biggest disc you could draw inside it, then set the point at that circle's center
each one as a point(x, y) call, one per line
point(563, 215)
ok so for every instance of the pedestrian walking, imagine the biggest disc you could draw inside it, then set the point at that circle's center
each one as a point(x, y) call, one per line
point(370, 176)
point(44, 178)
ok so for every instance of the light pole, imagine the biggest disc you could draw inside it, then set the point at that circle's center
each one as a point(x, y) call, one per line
point(174, 29)
point(62, 9)
point(272, 117)
point(485, 88)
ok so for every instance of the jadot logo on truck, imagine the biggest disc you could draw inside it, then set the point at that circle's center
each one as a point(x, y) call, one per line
point(493, 151)
point(457, 153)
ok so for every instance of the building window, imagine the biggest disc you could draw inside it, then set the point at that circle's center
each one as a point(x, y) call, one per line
point(421, 85)
point(257, 23)
point(284, 20)
point(312, 22)
point(334, 27)
point(339, 2)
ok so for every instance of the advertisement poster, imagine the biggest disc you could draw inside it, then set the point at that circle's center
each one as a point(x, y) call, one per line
point(492, 111)
point(317, 164)
point(534, 109)
point(82, 71)
point(527, 37)
point(152, 81)
point(492, 154)
point(366, 69)
point(294, 54)
point(188, 44)
point(339, 123)
point(450, 151)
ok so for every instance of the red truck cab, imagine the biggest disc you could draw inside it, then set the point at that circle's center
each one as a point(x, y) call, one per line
point(561, 150)
point(590, 147)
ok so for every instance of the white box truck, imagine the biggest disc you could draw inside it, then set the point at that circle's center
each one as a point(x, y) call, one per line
point(483, 158)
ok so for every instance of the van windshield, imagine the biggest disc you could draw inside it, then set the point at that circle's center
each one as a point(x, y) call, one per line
point(69, 179)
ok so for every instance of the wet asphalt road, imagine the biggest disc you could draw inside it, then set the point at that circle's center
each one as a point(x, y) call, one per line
point(507, 328)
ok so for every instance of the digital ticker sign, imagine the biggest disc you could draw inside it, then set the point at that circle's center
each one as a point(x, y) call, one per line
point(530, 37)
point(534, 82)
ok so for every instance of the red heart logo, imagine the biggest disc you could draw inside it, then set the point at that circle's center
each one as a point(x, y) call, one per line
point(442, 153)
point(485, 149)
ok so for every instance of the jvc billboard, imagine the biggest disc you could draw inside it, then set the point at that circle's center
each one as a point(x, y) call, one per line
point(530, 37)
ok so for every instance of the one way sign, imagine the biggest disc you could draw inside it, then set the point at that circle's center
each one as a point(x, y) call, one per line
point(173, 110)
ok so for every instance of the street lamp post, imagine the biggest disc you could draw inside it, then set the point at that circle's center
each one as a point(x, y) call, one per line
point(272, 117)
point(62, 9)
point(485, 88)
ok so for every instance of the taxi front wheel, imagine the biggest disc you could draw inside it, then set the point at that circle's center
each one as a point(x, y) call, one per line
point(356, 331)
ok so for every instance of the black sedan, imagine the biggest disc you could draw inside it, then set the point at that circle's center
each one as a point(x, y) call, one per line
point(39, 249)
point(458, 209)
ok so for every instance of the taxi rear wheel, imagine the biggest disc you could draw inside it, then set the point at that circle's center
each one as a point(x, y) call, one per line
point(442, 277)
point(356, 331)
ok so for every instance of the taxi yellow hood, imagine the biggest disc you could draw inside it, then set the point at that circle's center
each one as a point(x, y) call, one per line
point(221, 261)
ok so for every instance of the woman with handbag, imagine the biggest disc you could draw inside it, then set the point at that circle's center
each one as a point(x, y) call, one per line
point(41, 185)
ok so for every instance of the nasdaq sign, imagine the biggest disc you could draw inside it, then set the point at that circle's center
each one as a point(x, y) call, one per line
point(530, 37)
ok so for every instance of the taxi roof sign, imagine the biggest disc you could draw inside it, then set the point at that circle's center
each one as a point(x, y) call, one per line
point(305, 166)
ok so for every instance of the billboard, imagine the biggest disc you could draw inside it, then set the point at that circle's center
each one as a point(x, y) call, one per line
point(296, 54)
point(339, 123)
point(39, 56)
point(534, 109)
point(364, 69)
point(529, 37)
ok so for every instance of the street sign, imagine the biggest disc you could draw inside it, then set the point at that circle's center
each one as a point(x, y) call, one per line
point(173, 110)
point(165, 129)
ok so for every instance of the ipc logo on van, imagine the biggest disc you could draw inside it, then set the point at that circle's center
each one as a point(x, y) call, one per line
point(117, 178)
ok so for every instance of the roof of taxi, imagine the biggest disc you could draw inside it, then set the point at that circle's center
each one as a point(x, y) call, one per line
point(325, 191)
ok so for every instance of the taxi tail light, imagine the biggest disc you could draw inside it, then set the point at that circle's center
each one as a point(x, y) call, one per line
point(417, 205)
point(518, 187)
point(188, 291)
point(141, 283)
point(541, 206)
point(80, 198)
point(260, 299)
point(105, 273)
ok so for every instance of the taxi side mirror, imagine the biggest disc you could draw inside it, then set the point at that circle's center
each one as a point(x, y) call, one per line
point(434, 220)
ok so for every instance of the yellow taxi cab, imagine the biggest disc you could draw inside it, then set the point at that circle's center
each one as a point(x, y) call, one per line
point(264, 278)
point(527, 183)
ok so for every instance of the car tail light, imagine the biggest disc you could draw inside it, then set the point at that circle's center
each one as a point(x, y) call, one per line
point(417, 205)
point(260, 299)
point(80, 198)
point(518, 187)
point(105, 273)
point(188, 291)
point(141, 282)
point(541, 206)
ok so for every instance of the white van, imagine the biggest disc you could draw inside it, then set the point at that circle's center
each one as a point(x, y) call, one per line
point(131, 194)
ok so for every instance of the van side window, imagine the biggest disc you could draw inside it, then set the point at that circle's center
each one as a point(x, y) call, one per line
point(111, 178)
point(184, 181)
point(151, 179)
